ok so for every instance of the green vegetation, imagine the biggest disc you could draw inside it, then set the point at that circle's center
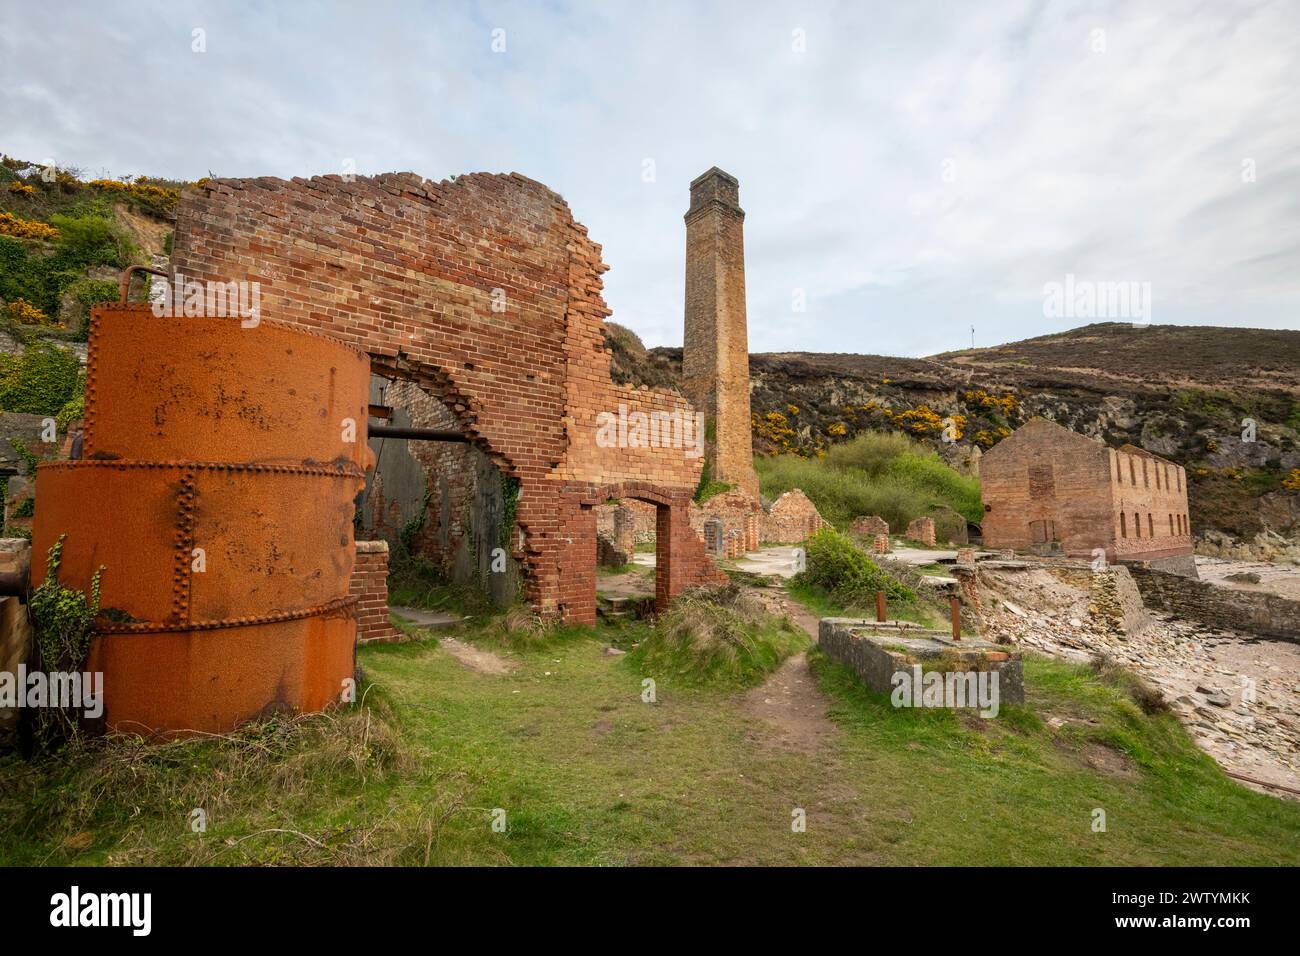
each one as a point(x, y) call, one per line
point(41, 272)
point(590, 774)
point(708, 486)
point(43, 380)
point(711, 489)
point(877, 473)
point(63, 621)
point(716, 636)
point(842, 569)
point(841, 580)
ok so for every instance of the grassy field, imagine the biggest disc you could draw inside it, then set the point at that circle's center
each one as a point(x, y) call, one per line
point(587, 772)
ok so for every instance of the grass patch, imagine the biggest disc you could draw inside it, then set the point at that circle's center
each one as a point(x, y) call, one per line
point(719, 636)
point(1025, 791)
point(841, 580)
point(294, 791)
point(590, 774)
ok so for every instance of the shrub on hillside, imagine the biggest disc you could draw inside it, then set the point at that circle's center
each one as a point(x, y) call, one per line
point(883, 474)
point(842, 569)
point(42, 275)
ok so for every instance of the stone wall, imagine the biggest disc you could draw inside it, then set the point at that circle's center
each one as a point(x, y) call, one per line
point(369, 584)
point(486, 293)
point(876, 652)
point(1254, 612)
point(1115, 602)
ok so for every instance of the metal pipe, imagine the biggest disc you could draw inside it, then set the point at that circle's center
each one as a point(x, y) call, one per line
point(416, 434)
point(124, 282)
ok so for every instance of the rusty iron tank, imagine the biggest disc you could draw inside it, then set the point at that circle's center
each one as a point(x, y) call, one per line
point(216, 486)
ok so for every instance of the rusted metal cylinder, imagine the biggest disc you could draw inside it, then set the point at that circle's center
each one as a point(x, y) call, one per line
point(217, 491)
point(208, 389)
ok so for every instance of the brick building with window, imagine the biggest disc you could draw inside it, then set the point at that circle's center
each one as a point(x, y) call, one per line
point(1047, 488)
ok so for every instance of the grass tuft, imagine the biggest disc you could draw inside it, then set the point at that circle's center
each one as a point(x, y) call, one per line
point(716, 636)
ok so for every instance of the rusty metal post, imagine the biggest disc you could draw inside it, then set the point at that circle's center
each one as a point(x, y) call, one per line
point(880, 606)
point(955, 603)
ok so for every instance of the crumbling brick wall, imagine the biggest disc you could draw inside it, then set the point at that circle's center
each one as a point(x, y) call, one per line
point(486, 293)
point(792, 518)
point(738, 514)
point(369, 585)
point(869, 526)
point(922, 530)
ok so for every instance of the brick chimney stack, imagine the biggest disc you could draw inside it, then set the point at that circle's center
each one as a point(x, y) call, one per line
point(715, 355)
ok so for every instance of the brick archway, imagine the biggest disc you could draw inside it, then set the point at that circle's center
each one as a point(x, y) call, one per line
point(680, 559)
point(486, 292)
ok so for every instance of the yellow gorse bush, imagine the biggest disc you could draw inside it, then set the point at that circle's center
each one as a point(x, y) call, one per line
point(11, 225)
point(23, 312)
point(146, 192)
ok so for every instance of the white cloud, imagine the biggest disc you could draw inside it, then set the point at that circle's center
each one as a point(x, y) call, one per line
point(1117, 165)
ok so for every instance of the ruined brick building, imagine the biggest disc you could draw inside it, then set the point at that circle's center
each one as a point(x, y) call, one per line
point(1047, 488)
point(484, 294)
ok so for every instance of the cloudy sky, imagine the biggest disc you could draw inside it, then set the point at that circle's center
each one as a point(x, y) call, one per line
point(911, 168)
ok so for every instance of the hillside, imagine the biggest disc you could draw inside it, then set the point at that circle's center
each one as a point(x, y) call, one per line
point(1180, 391)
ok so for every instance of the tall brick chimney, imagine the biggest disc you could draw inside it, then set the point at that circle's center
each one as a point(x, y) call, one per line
point(715, 355)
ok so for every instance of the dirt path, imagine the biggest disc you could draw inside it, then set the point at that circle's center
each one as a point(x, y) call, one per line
point(433, 622)
point(790, 700)
point(475, 658)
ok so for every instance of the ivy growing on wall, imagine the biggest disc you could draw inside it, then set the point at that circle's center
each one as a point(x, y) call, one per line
point(41, 381)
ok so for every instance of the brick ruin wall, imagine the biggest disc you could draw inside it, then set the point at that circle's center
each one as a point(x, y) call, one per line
point(642, 516)
point(369, 585)
point(792, 518)
point(486, 293)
